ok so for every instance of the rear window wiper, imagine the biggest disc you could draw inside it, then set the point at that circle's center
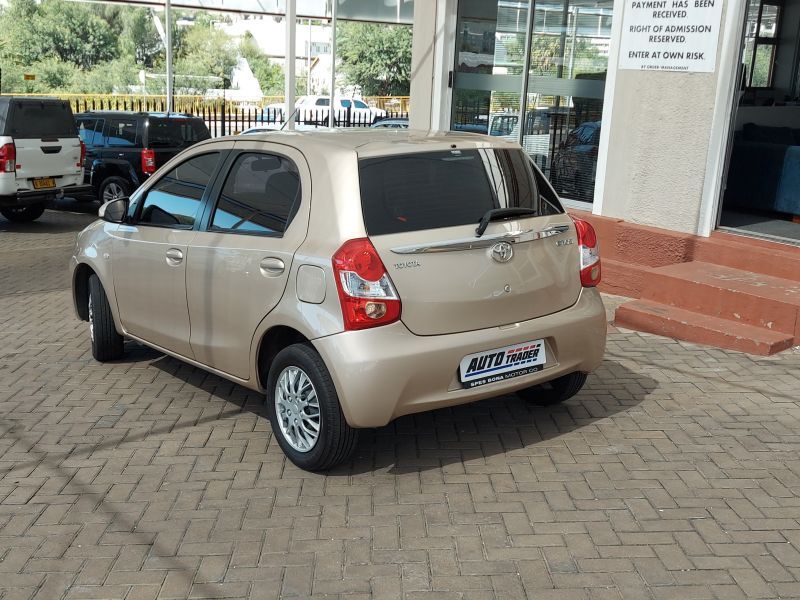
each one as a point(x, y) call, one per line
point(503, 213)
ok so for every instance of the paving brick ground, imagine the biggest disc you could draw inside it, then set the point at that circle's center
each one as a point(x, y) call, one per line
point(674, 474)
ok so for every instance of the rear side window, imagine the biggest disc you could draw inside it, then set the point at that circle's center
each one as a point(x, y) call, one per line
point(175, 133)
point(323, 102)
point(91, 131)
point(260, 196)
point(412, 192)
point(121, 132)
point(174, 201)
point(38, 119)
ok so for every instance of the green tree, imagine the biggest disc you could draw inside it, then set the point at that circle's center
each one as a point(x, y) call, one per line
point(139, 38)
point(375, 57)
point(204, 51)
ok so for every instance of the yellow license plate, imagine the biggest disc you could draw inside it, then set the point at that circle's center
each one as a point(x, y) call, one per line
point(44, 182)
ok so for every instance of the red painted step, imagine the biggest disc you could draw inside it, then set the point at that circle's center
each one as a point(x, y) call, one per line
point(742, 297)
point(660, 319)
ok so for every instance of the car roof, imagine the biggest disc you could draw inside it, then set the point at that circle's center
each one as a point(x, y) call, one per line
point(377, 142)
point(131, 113)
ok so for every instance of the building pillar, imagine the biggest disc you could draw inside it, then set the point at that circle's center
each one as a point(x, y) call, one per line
point(662, 130)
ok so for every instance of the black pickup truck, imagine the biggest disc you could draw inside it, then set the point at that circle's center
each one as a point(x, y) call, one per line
point(125, 148)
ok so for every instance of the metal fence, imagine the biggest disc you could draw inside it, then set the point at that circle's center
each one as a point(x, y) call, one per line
point(225, 118)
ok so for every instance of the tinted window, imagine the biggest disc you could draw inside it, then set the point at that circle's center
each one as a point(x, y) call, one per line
point(121, 132)
point(91, 131)
point(175, 133)
point(38, 119)
point(174, 200)
point(323, 102)
point(411, 192)
point(345, 103)
point(360, 104)
point(261, 195)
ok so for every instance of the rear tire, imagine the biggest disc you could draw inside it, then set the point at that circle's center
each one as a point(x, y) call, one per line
point(112, 188)
point(301, 403)
point(562, 388)
point(23, 214)
point(107, 344)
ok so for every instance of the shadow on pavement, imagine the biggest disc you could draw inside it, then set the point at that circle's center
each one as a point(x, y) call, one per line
point(469, 432)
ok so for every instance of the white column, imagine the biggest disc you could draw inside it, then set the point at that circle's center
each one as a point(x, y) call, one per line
point(331, 110)
point(168, 44)
point(289, 68)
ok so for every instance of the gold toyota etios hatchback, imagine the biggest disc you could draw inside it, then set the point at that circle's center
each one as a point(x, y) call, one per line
point(352, 276)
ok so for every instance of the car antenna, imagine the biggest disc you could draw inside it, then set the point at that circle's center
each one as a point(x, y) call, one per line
point(291, 118)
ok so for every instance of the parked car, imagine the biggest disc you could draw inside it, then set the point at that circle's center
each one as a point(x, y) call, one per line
point(124, 148)
point(575, 163)
point(315, 109)
point(41, 155)
point(391, 123)
point(352, 278)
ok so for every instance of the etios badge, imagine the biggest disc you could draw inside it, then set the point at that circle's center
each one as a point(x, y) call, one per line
point(502, 252)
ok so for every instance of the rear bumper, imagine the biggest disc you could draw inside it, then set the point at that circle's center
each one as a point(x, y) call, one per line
point(387, 372)
point(29, 197)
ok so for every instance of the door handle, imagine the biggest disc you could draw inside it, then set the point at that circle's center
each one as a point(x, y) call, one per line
point(174, 256)
point(272, 267)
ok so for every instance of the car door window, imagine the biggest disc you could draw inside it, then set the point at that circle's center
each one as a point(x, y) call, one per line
point(121, 132)
point(174, 201)
point(323, 102)
point(86, 129)
point(260, 196)
point(359, 104)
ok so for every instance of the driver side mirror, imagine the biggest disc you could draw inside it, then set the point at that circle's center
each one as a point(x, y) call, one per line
point(114, 211)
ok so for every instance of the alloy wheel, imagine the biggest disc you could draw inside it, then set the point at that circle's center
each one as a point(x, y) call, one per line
point(297, 409)
point(112, 191)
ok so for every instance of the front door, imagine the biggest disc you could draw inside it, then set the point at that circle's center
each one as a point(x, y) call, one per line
point(240, 260)
point(149, 255)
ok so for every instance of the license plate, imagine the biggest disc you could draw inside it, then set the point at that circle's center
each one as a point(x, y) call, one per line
point(490, 366)
point(44, 182)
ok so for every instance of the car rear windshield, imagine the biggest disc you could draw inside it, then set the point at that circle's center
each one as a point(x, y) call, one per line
point(39, 119)
point(412, 192)
point(175, 133)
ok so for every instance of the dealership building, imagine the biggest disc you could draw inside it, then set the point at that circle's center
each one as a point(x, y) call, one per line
point(673, 125)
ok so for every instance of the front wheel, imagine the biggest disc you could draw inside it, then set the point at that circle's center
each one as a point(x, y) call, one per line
point(560, 389)
point(304, 409)
point(107, 344)
point(23, 214)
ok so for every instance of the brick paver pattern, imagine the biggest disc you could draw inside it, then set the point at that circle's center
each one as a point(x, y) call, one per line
point(675, 473)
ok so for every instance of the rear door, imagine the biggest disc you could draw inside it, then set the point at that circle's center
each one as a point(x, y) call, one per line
point(167, 136)
point(47, 142)
point(421, 212)
point(239, 263)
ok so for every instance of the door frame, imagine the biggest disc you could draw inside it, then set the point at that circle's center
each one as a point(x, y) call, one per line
point(723, 120)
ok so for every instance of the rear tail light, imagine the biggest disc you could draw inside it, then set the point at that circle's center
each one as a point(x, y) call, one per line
point(8, 158)
point(148, 162)
point(590, 253)
point(83, 154)
point(366, 293)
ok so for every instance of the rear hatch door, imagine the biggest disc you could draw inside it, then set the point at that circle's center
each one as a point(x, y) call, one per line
point(421, 212)
point(167, 136)
point(47, 142)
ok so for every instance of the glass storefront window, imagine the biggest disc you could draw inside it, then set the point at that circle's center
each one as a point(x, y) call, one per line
point(568, 57)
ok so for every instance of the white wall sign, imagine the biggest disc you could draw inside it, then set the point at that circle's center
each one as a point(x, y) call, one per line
point(670, 35)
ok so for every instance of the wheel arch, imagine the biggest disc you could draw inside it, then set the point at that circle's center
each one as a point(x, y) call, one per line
point(273, 341)
point(80, 290)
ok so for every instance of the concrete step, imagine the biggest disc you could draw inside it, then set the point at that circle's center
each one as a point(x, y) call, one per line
point(750, 254)
point(742, 297)
point(669, 321)
point(624, 278)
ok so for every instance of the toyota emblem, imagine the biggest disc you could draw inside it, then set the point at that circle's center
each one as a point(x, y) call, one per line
point(502, 252)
